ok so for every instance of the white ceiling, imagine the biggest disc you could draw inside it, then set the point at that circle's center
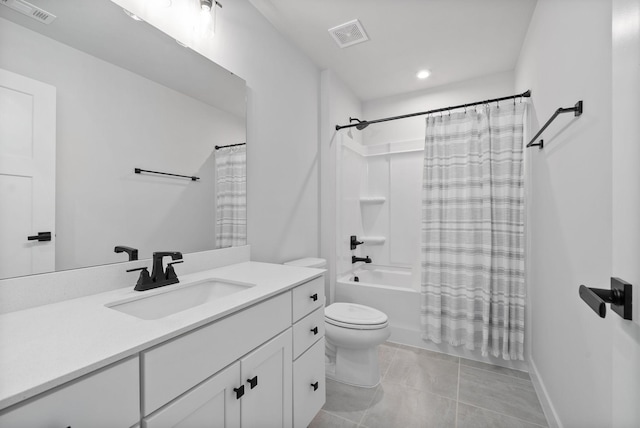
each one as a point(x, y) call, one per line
point(455, 39)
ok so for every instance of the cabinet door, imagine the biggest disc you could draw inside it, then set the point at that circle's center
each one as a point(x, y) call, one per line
point(266, 373)
point(109, 398)
point(309, 387)
point(213, 404)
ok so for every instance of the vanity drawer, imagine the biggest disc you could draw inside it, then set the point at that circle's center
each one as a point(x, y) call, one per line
point(308, 297)
point(309, 388)
point(178, 365)
point(108, 398)
point(307, 331)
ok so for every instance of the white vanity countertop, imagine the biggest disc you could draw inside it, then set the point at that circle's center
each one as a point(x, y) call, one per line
point(46, 346)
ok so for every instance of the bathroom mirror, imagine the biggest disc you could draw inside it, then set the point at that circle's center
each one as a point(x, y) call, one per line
point(127, 96)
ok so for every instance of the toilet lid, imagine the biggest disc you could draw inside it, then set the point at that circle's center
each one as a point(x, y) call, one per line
point(354, 314)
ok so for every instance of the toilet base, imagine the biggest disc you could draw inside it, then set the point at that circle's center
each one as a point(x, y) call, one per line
point(356, 367)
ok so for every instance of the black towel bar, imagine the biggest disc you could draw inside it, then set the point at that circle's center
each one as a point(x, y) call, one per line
point(193, 178)
point(577, 109)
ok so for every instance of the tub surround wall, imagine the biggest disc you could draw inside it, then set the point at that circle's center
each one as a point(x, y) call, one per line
point(566, 57)
point(338, 103)
point(36, 290)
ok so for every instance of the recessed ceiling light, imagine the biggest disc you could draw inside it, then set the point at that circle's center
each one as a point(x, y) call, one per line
point(423, 74)
point(132, 16)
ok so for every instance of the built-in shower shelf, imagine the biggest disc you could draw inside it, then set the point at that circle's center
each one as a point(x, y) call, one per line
point(372, 240)
point(373, 200)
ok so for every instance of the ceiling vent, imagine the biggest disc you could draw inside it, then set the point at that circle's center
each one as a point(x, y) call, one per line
point(349, 34)
point(30, 10)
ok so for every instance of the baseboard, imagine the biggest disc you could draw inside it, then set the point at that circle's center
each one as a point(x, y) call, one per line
point(547, 406)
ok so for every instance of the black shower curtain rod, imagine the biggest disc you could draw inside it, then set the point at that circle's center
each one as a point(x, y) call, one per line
point(364, 123)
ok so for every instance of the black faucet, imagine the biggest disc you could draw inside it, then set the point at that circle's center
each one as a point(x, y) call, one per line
point(132, 252)
point(159, 277)
point(355, 259)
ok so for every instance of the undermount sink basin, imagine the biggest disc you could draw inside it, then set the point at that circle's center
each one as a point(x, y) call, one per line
point(177, 298)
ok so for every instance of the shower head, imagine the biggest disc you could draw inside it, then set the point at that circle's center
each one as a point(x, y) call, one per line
point(361, 124)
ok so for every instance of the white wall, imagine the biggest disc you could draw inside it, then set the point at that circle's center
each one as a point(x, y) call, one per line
point(626, 207)
point(110, 121)
point(338, 103)
point(282, 124)
point(566, 57)
point(481, 88)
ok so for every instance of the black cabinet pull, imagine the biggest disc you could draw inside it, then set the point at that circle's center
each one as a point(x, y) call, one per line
point(314, 330)
point(315, 386)
point(314, 297)
point(40, 237)
point(239, 392)
point(253, 382)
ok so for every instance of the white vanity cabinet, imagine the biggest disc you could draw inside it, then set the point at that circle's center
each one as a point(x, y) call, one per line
point(172, 368)
point(258, 367)
point(235, 373)
point(252, 392)
point(108, 398)
point(309, 391)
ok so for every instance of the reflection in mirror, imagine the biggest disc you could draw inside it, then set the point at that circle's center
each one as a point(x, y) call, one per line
point(84, 101)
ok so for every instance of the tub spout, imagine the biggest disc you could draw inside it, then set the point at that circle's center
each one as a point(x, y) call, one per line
point(355, 259)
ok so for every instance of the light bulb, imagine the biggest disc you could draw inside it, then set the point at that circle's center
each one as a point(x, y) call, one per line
point(205, 27)
point(423, 74)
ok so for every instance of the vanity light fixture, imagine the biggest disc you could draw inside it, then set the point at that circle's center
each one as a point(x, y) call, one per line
point(423, 74)
point(206, 23)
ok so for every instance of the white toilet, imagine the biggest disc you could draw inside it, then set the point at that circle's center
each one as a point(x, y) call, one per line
point(353, 333)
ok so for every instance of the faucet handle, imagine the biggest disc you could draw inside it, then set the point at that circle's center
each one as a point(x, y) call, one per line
point(170, 273)
point(143, 280)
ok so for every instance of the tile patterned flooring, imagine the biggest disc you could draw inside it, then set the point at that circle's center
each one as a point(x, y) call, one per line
point(420, 388)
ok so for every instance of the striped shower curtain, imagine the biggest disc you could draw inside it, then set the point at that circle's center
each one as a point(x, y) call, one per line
point(472, 230)
point(231, 197)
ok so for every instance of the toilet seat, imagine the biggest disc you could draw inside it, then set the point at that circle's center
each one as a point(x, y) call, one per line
point(354, 316)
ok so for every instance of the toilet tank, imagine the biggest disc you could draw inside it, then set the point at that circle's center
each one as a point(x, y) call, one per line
point(310, 262)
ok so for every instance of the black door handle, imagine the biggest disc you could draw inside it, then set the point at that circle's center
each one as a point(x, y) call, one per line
point(619, 296)
point(314, 297)
point(315, 386)
point(253, 382)
point(314, 330)
point(41, 236)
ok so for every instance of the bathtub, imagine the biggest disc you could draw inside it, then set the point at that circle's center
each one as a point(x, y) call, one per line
point(395, 291)
point(389, 289)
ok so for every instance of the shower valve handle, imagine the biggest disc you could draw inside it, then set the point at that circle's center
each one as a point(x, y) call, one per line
point(354, 242)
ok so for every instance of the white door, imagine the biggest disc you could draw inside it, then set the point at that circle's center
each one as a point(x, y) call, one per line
point(267, 376)
point(625, 335)
point(27, 174)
